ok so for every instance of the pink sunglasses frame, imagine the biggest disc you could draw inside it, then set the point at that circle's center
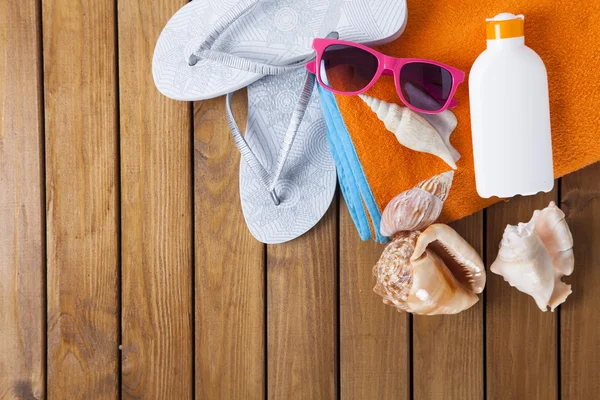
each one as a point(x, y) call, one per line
point(386, 65)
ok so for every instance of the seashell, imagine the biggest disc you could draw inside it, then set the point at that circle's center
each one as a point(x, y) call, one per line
point(417, 208)
point(444, 123)
point(534, 256)
point(465, 262)
point(411, 129)
point(429, 273)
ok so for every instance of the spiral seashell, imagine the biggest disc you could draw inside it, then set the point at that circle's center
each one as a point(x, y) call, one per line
point(444, 123)
point(417, 208)
point(429, 273)
point(534, 256)
point(411, 129)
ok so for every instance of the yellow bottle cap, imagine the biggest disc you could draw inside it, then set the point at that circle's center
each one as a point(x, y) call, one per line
point(505, 26)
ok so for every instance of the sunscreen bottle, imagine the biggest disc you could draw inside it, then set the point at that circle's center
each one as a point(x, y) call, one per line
point(510, 114)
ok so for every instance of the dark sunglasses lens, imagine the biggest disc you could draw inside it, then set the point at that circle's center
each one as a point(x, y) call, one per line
point(347, 69)
point(425, 86)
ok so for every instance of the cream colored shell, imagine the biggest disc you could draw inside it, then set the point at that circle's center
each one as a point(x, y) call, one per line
point(412, 130)
point(429, 273)
point(417, 208)
point(534, 256)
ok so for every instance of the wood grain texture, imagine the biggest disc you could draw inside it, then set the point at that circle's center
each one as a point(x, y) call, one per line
point(521, 339)
point(156, 201)
point(22, 230)
point(579, 315)
point(448, 349)
point(81, 195)
point(230, 266)
point(374, 338)
point(301, 314)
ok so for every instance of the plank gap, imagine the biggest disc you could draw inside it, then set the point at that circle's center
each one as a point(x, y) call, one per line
point(44, 222)
point(484, 257)
point(338, 348)
point(266, 323)
point(411, 359)
point(558, 319)
point(192, 248)
point(119, 222)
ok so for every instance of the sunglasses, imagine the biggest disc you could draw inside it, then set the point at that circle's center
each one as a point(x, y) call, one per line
point(350, 68)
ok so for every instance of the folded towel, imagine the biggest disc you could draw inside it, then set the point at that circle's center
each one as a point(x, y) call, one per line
point(376, 167)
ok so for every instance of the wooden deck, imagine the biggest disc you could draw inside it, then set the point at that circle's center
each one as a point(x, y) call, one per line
point(126, 270)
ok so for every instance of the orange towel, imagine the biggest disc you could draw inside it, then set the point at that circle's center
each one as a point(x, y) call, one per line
point(566, 34)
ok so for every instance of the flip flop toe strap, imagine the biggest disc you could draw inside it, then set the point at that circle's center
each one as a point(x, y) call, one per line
point(294, 125)
point(204, 50)
point(245, 64)
point(270, 181)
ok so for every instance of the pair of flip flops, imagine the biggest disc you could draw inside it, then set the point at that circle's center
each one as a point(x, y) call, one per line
point(214, 47)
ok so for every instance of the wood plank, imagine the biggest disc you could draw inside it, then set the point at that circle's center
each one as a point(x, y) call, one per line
point(374, 338)
point(301, 314)
point(82, 204)
point(230, 265)
point(448, 349)
point(157, 222)
point(22, 231)
point(579, 317)
point(521, 339)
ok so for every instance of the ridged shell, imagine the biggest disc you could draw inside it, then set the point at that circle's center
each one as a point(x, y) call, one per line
point(534, 256)
point(414, 275)
point(411, 129)
point(444, 123)
point(416, 208)
point(394, 272)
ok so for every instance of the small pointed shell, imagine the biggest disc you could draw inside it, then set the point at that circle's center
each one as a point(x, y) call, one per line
point(534, 256)
point(444, 123)
point(411, 129)
point(417, 208)
point(423, 283)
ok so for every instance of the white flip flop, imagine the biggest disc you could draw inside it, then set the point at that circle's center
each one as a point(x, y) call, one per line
point(198, 53)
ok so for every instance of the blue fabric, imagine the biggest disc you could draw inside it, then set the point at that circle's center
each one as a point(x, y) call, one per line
point(350, 192)
point(351, 176)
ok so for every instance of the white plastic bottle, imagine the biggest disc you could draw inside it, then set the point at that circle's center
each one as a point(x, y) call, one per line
point(510, 114)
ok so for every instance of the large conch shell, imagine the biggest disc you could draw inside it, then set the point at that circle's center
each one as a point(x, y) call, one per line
point(413, 130)
point(429, 273)
point(533, 257)
point(417, 208)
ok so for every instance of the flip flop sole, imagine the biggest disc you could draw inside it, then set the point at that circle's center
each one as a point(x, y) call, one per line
point(308, 180)
point(275, 32)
